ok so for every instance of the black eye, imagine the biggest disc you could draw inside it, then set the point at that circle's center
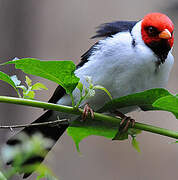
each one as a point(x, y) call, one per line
point(152, 31)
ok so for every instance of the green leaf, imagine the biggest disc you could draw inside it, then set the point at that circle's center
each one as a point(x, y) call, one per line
point(39, 86)
point(124, 135)
point(121, 136)
point(39, 177)
point(7, 79)
point(45, 173)
point(28, 81)
point(80, 86)
point(103, 89)
point(143, 99)
point(61, 72)
point(135, 144)
point(168, 103)
point(29, 95)
point(80, 130)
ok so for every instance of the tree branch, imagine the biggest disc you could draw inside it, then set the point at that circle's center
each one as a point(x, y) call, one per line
point(57, 122)
point(98, 116)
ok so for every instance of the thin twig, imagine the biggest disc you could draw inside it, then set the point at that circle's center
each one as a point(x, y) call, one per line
point(59, 121)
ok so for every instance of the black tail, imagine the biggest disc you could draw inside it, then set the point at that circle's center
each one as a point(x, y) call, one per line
point(48, 131)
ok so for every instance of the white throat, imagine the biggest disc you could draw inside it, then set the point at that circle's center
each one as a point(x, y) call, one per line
point(136, 33)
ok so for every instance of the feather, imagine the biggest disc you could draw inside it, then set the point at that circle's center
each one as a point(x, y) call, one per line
point(109, 29)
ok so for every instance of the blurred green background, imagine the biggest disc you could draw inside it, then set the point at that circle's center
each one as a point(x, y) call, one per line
point(60, 30)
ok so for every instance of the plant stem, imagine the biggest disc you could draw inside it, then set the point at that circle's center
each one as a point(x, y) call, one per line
point(98, 116)
point(56, 122)
point(72, 98)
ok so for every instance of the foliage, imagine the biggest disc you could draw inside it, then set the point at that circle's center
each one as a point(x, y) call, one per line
point(168, 103)
point(86, 93)
point(28, 148)
point(62, 72)
point(143, 99)
point(6, 78)
point(28, 91)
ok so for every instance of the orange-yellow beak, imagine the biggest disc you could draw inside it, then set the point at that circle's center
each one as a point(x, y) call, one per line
point(165, 34)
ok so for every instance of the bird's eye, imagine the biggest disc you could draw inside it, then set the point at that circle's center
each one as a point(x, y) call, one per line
point(152, 31)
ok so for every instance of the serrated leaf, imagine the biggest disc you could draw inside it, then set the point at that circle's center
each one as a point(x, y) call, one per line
point(39, 86)
point(168, 103)
point(103, 89)
point(135, 144)
point(80, 130)
point(143, 99)
point(61, 72)
point(7, 79)
point(28, 81)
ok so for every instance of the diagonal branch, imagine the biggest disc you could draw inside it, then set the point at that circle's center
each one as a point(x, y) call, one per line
point(98, 116)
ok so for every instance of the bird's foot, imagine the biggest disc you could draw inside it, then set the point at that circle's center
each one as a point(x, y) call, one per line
point(126, 122)
point(87, 109)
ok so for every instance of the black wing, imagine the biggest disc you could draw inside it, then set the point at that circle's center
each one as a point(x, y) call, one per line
point(58, 94)
point(109, 29)
point(86, 55)
point(105, 30)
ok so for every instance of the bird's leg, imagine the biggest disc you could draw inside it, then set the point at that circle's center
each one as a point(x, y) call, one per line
point(125, 122)
point(87, 109)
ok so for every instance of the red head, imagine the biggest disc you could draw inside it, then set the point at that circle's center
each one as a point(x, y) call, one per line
point(157, 26)
point(157, 33)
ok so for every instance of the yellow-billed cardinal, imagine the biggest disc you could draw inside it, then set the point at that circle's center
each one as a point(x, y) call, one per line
point(132, 56)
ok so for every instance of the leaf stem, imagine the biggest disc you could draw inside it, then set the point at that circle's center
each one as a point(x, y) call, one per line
point(72, 98)
point(18, 93)
point(98, 116)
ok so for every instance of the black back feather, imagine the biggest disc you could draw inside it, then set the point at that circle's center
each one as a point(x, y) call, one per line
point(109, 29)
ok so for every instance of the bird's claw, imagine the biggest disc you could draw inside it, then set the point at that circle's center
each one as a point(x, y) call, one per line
point(87, 110)
point(125, 123)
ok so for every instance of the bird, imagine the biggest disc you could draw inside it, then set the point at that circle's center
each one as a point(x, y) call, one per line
point(129, 57)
